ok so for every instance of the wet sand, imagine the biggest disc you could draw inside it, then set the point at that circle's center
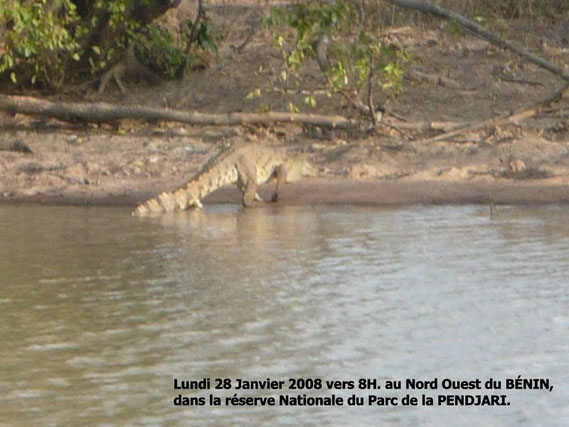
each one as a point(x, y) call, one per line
point(324, 191)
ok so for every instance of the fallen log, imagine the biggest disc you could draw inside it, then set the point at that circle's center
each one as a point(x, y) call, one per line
point(104, 112)
point(516, 116)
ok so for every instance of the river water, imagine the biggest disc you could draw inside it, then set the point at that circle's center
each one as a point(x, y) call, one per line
point(100, 312)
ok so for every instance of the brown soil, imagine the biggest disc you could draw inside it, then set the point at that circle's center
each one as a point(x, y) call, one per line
point(127, 162)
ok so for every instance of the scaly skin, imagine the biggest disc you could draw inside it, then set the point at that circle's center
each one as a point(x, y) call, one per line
point(247, 165)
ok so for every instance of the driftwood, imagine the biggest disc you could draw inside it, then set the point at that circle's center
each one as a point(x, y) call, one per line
point(426, 125)
point(416, 74)
point(17, 145)
point(517, 116)
point(512, 117)
point(511, 79)
point(506, 74)
point(104, 112)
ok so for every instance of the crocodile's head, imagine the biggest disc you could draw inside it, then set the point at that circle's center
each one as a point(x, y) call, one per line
point(298, 168)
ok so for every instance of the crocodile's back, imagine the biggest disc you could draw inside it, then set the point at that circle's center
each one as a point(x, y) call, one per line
point(265, 161)
point(234, 164)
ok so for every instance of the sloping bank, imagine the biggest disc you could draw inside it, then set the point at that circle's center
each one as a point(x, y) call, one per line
point(324, 191)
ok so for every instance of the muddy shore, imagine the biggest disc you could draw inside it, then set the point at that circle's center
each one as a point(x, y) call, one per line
point(124, 163)
point(318, 191)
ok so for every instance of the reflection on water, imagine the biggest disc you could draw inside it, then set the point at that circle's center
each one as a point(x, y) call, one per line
point(99, 311)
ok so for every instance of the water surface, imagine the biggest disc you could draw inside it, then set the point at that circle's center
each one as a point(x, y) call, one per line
point(100, 311)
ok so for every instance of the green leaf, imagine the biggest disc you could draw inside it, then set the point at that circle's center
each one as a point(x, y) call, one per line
point(254, 94)
point(310, 100)
point(292, 108)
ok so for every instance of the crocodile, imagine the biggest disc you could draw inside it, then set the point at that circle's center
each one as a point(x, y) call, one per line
point(248, 165)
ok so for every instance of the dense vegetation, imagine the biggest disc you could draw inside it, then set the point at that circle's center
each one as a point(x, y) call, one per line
point(48, 43)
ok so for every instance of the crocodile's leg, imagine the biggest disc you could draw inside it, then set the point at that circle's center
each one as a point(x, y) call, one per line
point(249, 195)
point(181, 197)
point(247, 181)
point(257, 198)
point(280, 172)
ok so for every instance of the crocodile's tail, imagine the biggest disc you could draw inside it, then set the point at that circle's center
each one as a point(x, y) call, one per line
point(167, 202)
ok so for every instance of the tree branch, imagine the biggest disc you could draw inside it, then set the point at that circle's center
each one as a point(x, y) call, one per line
point(194, 30)
point(370, 93)
point(480, 31)
point(517, 116)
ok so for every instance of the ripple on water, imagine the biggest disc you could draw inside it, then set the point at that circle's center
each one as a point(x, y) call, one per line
point(101, 311)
